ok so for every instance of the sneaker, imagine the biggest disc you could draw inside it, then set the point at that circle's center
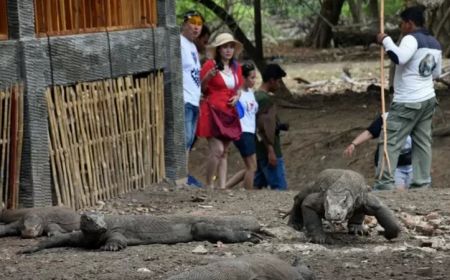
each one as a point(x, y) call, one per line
point(422, 186)
point(191, 181)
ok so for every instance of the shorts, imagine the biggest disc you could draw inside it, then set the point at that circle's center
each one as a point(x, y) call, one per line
point(246, 144)
point(267, 175)
point(190, 123)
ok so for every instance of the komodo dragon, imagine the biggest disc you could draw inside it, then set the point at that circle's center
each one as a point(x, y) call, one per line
point(34, 222)
point(115, 232)
point(248, 267)
point(339, 195)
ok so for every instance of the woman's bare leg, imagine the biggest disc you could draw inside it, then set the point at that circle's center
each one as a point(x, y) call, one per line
point(223, 165)
point(250, 169)
point(216, 150)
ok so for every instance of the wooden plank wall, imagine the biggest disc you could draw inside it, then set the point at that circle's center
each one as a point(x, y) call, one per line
point(106, 138)
point(11, 135)
point(60, 17)
point(3, 20)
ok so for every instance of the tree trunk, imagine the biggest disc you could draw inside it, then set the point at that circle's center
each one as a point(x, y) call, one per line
point(258, 30)
point(321, 34)
point(355, 10)
point(240, 36)
point(374, 12)
point(237, 31)
point(439, 25)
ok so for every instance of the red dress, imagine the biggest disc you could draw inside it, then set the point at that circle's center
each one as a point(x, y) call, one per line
point(218, 94)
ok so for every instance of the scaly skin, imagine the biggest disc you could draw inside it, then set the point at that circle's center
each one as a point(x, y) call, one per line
point(248, 267)
point(114, 233)
point(338, 196)
point(34, 222)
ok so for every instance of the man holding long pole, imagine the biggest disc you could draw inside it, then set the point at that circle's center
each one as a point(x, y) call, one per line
point(418, 61)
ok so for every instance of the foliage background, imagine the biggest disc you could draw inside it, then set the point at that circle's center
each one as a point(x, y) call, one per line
point(300, 12)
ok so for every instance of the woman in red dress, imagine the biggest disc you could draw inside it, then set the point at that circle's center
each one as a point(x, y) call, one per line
point(221, 80)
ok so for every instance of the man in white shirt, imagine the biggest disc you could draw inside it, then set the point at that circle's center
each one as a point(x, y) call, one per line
point(190, 30)
point(418, 61)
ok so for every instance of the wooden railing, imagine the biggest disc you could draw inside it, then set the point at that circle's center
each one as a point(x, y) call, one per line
point(60, 17)
point(3, 20)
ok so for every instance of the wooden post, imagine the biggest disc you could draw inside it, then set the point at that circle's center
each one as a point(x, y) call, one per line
point(13, 185)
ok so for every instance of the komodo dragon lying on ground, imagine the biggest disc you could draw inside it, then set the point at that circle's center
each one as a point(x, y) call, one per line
point(34, 222)
point(115, 232)
point(339, 195)
point(248, 267)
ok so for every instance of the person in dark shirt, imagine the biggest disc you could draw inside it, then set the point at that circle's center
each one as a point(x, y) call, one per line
point(403, 172)
point(270, 163)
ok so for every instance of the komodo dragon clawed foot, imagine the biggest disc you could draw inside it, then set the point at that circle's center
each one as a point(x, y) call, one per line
point(255, 237)
point(358, 229)
point(321, 238)
point(114, 245)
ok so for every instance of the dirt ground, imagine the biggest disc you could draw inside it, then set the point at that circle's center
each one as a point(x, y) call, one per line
point(319, 132)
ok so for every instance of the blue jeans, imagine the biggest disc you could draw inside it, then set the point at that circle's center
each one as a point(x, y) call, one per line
point(403, 176)
point(190, 123)
point(267, 175)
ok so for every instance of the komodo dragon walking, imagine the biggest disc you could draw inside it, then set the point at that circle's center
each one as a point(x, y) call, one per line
point(339, 195)
point(115, 232)
point(249, 267)
point(34, 222)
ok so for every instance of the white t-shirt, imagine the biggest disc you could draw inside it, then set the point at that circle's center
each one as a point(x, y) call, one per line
point(248, 101)
point(191, 71)
point(418, 60)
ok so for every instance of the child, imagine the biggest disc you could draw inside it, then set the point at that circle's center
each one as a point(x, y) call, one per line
point(246, 144)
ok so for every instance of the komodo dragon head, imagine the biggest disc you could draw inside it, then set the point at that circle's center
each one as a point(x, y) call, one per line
point(32, 226)
point(93, 223)
point(344, 193)
point(339, 204)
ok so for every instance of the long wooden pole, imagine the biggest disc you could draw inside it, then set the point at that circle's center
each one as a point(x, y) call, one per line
point(383, 107)
point(13, 156)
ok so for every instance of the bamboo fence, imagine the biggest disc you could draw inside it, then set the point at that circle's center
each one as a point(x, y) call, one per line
point(106, 138)
point(11, 135)
point(61, 17)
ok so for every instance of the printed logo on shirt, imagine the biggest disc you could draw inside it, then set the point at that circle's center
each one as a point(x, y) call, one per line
point(427, 65)
point(195, 74)
point(194, 57)
point(251, 107)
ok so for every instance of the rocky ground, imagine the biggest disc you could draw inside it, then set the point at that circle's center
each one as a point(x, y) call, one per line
point(321, 127)
point(421, 252)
